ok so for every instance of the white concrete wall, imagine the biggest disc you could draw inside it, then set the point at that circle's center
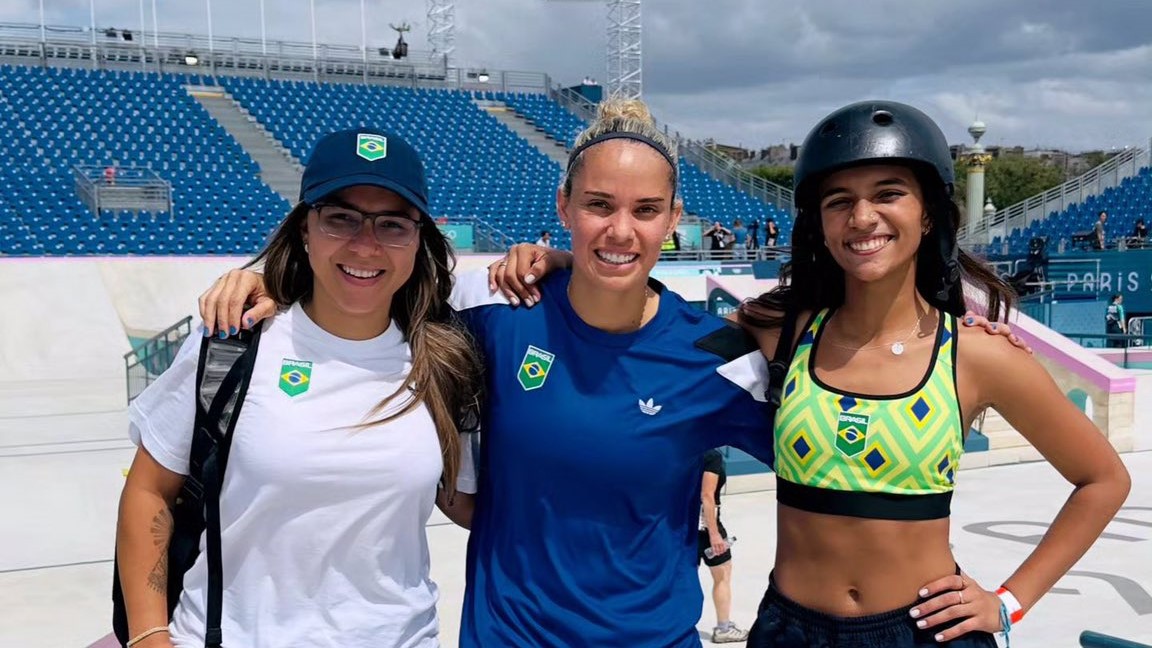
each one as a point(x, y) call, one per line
point(1142, 420)
point(61, 342)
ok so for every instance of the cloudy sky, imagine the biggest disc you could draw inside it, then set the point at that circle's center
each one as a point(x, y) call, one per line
point(1050, 73)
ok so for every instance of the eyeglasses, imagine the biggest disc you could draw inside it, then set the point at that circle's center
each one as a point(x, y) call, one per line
point(345, 223)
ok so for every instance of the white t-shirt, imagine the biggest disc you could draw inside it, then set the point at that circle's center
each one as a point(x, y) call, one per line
point(322, 523)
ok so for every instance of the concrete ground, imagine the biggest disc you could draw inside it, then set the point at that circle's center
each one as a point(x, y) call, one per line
point(59, 509)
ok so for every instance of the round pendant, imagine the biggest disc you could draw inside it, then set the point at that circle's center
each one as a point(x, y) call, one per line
point(898, 348)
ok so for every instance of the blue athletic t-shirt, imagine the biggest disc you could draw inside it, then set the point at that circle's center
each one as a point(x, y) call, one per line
point(585, 528)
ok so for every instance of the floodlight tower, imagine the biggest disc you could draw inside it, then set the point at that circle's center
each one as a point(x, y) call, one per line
point(625, 52)
point(442, 28)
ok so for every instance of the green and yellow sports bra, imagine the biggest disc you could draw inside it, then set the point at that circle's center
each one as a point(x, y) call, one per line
point(882, 457)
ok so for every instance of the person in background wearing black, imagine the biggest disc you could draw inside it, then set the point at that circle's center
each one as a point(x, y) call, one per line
point(1139, 233)
point(719, 235)
point(771, 232)
point(754, 234)
point(713, 539)
point(1115, 321)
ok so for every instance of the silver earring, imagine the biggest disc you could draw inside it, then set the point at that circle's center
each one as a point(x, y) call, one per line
point(305, 248)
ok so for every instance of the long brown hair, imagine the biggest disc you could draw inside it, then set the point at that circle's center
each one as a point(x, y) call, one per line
point(811, 279)
point(446, 375)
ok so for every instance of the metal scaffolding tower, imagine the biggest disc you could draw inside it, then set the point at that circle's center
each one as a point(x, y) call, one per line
point(442, 28)
point(625, 56)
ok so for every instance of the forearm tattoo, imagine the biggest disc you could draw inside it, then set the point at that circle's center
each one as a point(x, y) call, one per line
point(161, 536)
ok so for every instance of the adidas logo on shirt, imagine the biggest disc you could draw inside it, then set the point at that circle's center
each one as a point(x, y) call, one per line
point(650, 408)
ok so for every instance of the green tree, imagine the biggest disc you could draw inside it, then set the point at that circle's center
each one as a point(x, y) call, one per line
point(1009, 179)
point(781, 175)
point(1096, 158)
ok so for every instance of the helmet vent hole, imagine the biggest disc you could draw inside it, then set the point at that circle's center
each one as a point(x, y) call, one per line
point(882, 118)
point(829, 127)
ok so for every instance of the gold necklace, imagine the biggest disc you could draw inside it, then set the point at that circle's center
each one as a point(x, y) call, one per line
point(643, 305)
point(897, 348)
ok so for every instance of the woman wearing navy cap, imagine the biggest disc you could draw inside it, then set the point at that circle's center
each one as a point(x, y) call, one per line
point(361, 388)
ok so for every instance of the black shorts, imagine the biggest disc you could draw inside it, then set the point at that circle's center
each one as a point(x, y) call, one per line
point(703, 543)
point(784, 623)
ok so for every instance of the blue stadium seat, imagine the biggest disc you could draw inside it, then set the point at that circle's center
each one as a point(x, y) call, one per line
point(56, 118)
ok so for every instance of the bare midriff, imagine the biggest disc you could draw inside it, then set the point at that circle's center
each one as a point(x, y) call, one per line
point(851, 567)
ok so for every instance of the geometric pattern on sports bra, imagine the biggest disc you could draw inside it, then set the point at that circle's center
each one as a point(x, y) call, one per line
point(904, 444)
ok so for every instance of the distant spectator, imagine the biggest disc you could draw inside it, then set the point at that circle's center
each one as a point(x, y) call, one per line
point(713, 536)
point(719, 235)
point(1115, 320)
point(110, 173)
point(1140, 231)
point(754, 234)
point(771, 233)
point(1098, 230)
point(545, 239)
point(739, 239)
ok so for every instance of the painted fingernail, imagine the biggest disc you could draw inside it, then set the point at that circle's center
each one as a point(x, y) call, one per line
point(231, 330)
point(940, 637)
point(530, 278)
point(207, 331)
point(969, 321)
point(915, 612)
point(529, 302)
point(921, 623)
point(223, 335)
point(514, 301)
point(251, 322)
point(924, 592)
point(992, 326)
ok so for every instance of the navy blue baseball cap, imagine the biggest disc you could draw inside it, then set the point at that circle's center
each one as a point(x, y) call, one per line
point(365, 156)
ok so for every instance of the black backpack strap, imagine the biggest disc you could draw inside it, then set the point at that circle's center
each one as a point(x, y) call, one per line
point(778, 366)
point(223, 378)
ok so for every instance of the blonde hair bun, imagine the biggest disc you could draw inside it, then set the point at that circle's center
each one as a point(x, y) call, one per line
point(624, 109)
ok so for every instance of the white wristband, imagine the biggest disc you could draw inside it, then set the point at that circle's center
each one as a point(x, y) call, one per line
point(1011, 603)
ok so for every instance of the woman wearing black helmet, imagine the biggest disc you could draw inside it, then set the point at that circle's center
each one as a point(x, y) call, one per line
point(881, 388)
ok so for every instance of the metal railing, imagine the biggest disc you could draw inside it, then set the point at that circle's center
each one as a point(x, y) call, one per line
point(146, 362)
point(1136, 328)
point(487, 239)
point(1121, 341)
point(130, 188)
point(1095, 181)
point(717, 165)
point(197, 54)
point(730, 256)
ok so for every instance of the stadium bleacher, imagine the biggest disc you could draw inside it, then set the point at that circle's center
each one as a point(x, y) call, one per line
point(476, 166)
point(703, 195)
point(56, 118)
point(1125, 203)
